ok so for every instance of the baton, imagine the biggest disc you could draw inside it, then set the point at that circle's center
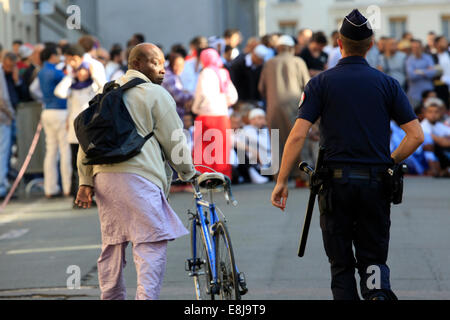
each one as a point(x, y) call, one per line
point(312, 198)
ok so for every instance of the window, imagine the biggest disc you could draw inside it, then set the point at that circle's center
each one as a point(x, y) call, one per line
point(446, 26)
point(287, 0)
point(288, 27)
point(397, 26)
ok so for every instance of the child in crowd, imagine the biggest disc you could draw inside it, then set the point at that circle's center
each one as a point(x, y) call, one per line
point(420, 109)
point(251, 150)
point(239, 170)
point(437, 134)
point(259, 136)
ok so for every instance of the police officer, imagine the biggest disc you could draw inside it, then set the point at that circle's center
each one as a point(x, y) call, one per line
point(355, 103)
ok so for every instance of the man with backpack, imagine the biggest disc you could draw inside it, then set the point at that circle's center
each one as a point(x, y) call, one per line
point(132, 195)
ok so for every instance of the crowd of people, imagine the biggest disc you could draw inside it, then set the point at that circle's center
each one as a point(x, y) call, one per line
point(222, 84)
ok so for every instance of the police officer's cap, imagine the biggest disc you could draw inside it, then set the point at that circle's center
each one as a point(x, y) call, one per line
point(356, 27)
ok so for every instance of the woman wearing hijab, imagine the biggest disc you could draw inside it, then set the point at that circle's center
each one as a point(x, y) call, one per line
point(215, 93)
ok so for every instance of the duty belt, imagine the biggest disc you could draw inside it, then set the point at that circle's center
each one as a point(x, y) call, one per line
point(360, 174)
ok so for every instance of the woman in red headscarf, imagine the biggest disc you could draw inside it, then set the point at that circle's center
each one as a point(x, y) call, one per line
point(215, 93)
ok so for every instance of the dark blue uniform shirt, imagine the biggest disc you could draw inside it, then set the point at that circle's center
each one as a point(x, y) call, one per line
point(356, 103)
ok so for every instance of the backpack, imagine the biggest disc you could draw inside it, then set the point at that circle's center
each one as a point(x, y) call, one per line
point(105, 130)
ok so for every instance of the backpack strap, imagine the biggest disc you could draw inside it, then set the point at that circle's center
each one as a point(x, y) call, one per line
point(149, 136)
point(132, 83)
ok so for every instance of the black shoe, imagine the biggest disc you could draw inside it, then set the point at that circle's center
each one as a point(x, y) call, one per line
point(383, 295)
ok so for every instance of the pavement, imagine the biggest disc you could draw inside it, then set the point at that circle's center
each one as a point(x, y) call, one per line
point(41, 240)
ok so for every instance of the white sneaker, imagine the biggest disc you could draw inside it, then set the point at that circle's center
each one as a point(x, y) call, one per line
point(256, 177)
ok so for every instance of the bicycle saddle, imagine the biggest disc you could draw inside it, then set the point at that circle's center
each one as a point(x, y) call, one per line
point(211, 180)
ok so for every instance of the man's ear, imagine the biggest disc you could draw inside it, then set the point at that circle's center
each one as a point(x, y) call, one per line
point(135, 64)
point(341, 48)
point(371, 44)
point(339, 41)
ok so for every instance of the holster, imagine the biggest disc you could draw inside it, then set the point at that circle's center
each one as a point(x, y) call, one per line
point(322, 185)
point(394, 182)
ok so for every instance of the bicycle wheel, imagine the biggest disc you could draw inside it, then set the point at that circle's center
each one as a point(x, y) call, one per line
point(202, 272)
point(226, 267)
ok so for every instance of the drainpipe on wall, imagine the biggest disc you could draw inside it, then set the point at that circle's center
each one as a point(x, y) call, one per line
point(37, 15)
point(261, 17)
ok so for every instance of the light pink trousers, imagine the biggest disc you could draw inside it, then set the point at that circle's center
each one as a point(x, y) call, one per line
point(150, 260)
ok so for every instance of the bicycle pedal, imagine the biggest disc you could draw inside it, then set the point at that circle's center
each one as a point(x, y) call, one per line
point(242, 284)
point(191, 263)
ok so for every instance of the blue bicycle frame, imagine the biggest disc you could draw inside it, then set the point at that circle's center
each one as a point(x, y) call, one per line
point(210, 241)
point(209, 236)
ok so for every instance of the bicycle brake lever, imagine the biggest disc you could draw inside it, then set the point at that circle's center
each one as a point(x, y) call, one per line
point(225, 193)
point(229, 194)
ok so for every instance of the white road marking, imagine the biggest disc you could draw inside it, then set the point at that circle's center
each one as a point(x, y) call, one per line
point(54, 249)
point(14, 234)
point(6, 217)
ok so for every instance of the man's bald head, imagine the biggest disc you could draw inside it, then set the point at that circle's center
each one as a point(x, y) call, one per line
point(143, 51)
point(148, 59)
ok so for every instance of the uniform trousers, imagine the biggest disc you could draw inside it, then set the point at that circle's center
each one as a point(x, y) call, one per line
point(356, 213)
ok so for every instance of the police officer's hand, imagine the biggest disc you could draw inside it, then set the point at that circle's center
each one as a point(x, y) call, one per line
point(84, 197)
point(280, 195)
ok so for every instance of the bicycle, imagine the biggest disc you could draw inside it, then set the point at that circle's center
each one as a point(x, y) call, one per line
point(212, 264)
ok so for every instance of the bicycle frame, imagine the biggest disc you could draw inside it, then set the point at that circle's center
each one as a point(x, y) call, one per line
point(209, 236)
point(208, 228)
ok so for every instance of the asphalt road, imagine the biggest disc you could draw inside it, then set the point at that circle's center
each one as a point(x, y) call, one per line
point(40, 239)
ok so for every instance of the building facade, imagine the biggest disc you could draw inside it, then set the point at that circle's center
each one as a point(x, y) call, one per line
point(53, 27)
point(176, 21)
point(289, 16)
point(395, 16)
point(14, 25)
